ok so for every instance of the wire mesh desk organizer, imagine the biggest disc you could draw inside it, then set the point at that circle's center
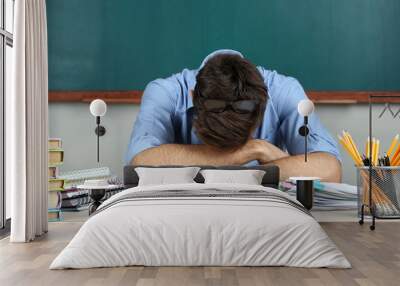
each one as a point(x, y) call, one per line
point(378, 178)
point(383, 200)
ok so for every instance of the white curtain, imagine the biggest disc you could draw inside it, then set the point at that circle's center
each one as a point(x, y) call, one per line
point(26, 123)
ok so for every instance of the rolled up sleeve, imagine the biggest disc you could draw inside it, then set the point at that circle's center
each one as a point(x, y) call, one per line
point(154, 123)
point(319, 139)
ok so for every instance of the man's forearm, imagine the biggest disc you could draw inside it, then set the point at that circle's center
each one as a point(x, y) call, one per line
point(319, 164)
point(180, 154)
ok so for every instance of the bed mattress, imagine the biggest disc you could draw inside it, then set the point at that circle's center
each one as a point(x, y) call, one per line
point(201, 225)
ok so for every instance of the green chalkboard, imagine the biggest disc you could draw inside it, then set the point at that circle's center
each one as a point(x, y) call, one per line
point(122, 45)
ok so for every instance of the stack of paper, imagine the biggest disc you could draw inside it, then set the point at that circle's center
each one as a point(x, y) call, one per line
point(328, 196)
point(86, 173)
point(73, 199)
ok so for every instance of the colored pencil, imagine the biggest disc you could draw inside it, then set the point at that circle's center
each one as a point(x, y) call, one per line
point(395, 162)
point(367, 147)
point(395, 155)
point(377, 152)
point(352, 144)
point(373, 151)
point(392, 145)
point(346, 145)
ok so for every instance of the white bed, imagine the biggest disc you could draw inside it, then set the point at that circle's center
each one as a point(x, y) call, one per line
point(235, 229)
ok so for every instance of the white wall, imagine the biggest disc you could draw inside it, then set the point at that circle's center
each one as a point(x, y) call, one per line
point(73, 123)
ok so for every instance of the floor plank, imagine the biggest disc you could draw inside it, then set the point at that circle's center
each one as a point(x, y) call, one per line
point(375, 257)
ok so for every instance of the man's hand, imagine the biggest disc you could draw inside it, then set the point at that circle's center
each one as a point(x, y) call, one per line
point(319, 164)
point(264, 151)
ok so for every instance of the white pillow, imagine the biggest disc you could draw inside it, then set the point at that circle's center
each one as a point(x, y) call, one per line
point(166, 176)
point(248, 177)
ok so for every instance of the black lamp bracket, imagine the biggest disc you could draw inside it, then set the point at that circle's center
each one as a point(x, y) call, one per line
point(303, 131)
point(100, 130)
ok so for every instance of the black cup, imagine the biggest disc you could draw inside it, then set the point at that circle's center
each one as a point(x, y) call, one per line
point(305, 193)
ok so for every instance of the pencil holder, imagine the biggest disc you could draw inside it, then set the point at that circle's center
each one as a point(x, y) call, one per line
point(384, 197)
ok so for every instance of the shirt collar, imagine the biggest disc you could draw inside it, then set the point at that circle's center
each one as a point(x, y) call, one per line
point(190, 102)
point(193, 83)
point(220, 52)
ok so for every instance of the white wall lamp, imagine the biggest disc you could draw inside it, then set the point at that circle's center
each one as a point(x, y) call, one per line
point(305, 108)
point(98, 108)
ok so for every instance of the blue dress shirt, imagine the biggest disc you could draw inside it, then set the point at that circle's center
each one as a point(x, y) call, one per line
point(166, 111)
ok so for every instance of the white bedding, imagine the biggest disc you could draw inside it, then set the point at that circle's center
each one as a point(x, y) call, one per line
point(188, 231)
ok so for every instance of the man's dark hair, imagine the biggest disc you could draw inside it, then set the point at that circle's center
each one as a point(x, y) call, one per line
point(228, 77)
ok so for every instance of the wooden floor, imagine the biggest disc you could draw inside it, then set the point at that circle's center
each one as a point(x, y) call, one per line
point(375, 257)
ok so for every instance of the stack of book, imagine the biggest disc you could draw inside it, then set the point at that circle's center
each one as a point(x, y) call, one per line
point(63, 192)
point(56, 185)
point(328, 196)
